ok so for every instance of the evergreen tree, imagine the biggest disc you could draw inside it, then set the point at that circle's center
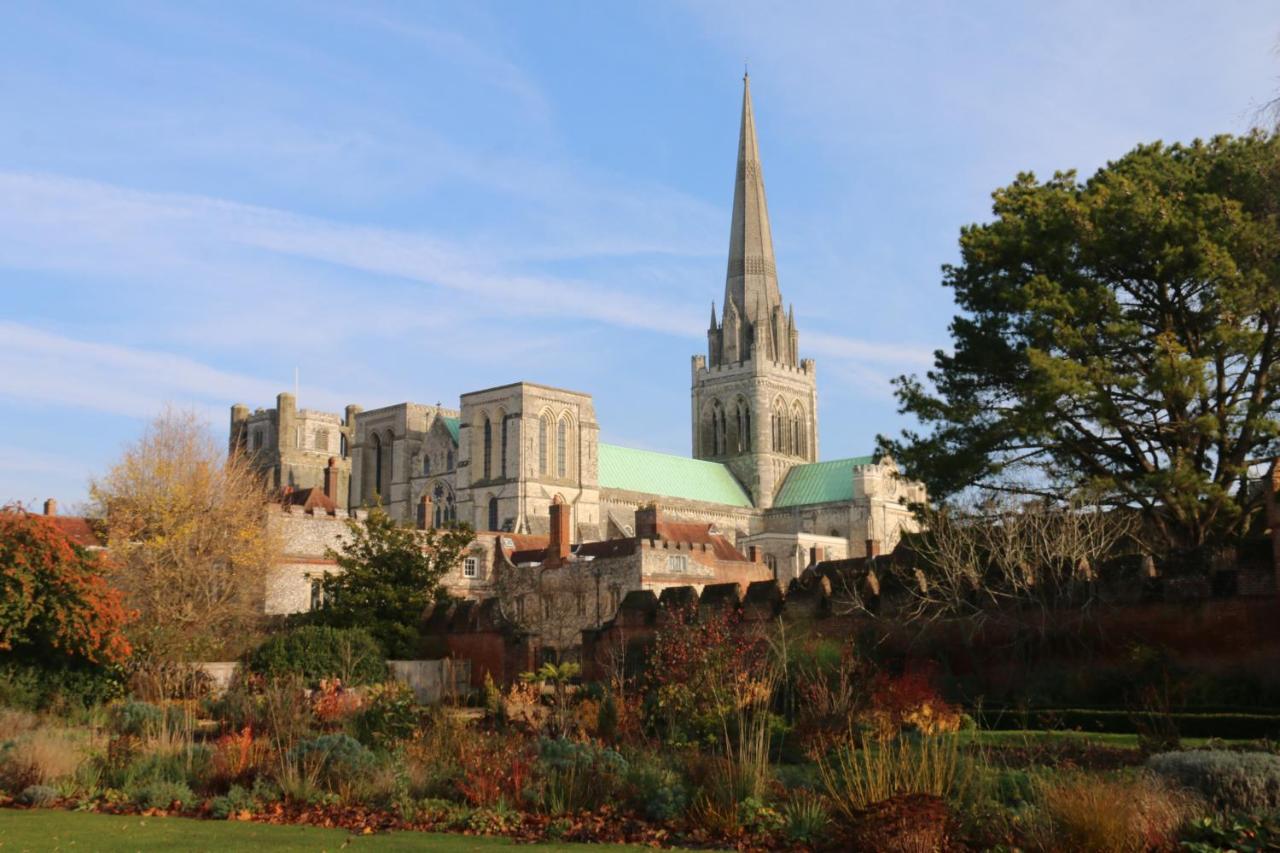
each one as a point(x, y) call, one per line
point(390, 575)
point(1118, 335)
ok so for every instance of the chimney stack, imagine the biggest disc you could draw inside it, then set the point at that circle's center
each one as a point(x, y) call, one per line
point(815, 555)
point(753, 553)
point(647, 522)
point(873, 547)
point(558, 547)
point(331, 480)
point(51, 507)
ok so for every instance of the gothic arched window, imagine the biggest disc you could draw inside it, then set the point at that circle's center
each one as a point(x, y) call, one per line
point(493, 513)
point(544, 436)
point(502, 468)
point(488, 447)
point(377, 465)
point(562, 447)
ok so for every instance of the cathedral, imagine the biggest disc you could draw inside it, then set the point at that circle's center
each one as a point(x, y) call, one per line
point(507, 455)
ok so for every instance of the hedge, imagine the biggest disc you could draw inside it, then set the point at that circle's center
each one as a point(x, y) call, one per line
point(315, 652)
point(1230, 725)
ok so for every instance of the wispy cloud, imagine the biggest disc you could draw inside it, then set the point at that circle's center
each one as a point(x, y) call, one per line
point(47, 368)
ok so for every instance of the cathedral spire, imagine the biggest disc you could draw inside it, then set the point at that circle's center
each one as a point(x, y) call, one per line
point(751, 281)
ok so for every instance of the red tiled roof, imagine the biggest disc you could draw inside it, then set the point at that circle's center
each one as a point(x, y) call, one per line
point(311, 499)
point(78, 530)
point(699, 534)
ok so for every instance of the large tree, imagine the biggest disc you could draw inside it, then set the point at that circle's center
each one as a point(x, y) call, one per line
point(390, 574)
point(55, 603)
point(188, 533)
point(1118, 335)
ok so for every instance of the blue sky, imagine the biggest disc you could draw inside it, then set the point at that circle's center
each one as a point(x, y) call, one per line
point(408, 201)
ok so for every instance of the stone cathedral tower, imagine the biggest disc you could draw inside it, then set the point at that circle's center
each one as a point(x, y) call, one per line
point(755, 402)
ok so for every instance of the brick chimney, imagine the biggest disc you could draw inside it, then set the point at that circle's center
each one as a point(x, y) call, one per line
point(331, 479)
point(873, 547)
point(558, 547)
point(425, 518)
point(647, 522)
point(51, 507)
point(753, 553)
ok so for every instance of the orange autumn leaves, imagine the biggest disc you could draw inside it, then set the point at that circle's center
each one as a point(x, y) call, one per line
point(54, 599)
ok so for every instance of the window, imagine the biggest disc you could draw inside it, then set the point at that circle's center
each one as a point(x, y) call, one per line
point(493, 514)
point(377, 465)
point(257, 439)
point(562, 448)
point(426, 464)
point(677, 564)
point(772, 562)
point(317, 593)
point(448, 461)
point(488, 450)
point(470, 567)
point(548, 606)
point(520, 606)
point(543, 438)
point(502, 469)
point(320, 441)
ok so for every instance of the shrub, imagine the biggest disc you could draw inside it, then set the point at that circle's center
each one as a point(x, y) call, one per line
point(162, 795)
point(235, 801)
point(492, 769)
point(1245, 833)
point(38, 796)
point(179, 766)
point(576, 777)
point(1110, 815)
point(1246, 782)
point(336, 759)
point(315, 652)
point(655, 790)
point(390, 715)
point(39, 757)
point(44, 686)
point(805, 818)
point(14, 722)
point(855, 777)
point(136, 718)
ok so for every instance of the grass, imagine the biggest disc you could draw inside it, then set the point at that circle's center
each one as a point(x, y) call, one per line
point(56, 830)
point(1029, 737)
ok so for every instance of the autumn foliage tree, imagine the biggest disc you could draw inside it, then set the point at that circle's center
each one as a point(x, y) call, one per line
point(188, 532)
point(55, 603)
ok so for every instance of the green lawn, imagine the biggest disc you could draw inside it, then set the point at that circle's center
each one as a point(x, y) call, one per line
point(48, 830)
point(1011, 737)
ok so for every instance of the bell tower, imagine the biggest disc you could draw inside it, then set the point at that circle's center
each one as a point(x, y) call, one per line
point(755, 401)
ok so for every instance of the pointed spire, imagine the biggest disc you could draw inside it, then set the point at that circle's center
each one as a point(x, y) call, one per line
point(713, 314)
point(751, 281)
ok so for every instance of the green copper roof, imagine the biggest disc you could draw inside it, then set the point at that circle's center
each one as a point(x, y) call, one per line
point(820, 482)
point(670, 476)
point(451, 424)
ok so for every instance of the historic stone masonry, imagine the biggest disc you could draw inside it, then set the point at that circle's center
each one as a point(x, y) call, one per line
point(508, 455)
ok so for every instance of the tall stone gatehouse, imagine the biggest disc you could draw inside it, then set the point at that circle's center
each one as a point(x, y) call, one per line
point(755, 401)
